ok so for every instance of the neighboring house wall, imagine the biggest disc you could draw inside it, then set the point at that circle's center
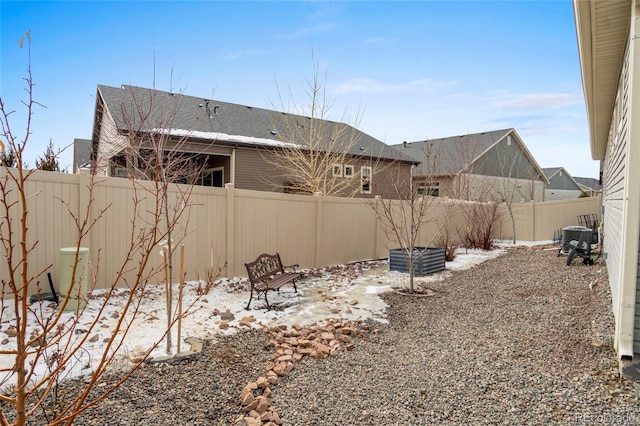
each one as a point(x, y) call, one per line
point(115, 143)
point(506, 159)
point(492, 188)
point(255, 171)
point(488, 166)
point(562, 181)
point(560, 194)
point(561, 185)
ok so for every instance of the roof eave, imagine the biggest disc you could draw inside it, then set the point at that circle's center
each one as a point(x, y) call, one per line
point(600, 93)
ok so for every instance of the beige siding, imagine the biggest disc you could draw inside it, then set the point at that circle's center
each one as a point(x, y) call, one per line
point(110, 144)
point(487, 188)
point(614, 180)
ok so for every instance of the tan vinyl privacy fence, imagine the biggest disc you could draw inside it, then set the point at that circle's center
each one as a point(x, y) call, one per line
point(232, 226)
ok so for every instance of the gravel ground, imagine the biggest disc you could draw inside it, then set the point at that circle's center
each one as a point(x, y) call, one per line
point(521, 339)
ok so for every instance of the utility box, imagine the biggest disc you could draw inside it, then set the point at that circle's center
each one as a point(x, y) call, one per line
point(78, 296)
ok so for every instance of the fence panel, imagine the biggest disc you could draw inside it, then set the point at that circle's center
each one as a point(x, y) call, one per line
point(228, 225)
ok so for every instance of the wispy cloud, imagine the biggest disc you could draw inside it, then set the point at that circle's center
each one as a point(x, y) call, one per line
point(370, 85)
point(538, 101)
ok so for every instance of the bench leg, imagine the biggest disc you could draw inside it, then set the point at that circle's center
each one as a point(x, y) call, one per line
point(294, 285)
point(250, 297)
point(267, 300)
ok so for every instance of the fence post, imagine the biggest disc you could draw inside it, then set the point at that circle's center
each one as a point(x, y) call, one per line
point(319, 228)
point(376, 230)
point(231, 230)
point(533, 220)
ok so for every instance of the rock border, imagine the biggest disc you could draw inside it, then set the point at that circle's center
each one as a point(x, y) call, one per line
point(317, 341)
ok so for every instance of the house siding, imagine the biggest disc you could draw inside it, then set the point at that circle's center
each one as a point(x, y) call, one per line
point(616, 193)
point(636, 322)
point(254, 171)
point(562, 182)
point(560, 194)
point(117, 142)
point(504, 160)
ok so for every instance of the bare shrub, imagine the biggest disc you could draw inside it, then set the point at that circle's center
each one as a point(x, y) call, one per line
point(481, 220)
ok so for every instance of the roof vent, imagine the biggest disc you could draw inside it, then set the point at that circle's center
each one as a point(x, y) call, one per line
point(215, 109)
point(404, 143)
point(274, 132)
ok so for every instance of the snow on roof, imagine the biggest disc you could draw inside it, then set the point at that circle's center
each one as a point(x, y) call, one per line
point(224, 137)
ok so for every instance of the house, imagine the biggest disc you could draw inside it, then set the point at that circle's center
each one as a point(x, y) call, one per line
point(243, 145)
point(487, 166)
point(608, 35)
point(561, 184)
point(589, 186)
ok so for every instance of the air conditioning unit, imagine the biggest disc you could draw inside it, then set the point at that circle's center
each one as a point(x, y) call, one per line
point(577, 233)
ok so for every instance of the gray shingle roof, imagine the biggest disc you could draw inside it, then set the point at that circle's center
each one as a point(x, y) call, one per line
point(81, 153)
point(456, 152)
point(549, 172)
point(207, 116)
point(589, 183)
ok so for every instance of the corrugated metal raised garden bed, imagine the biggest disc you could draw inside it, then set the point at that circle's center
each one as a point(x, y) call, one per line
point(426, 260)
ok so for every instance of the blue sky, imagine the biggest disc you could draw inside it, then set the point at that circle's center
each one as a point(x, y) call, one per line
point(411, 70)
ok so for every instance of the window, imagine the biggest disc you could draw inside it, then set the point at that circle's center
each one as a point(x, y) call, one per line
point(120, 172)
point(509, 140)
point(365, 180)
point(213, 177)
point(432, 189)
point(337, 170)
point(348, 171)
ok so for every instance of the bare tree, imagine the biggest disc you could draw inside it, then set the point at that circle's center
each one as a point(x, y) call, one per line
point(320, 155)
point(155, 152)
point(476, 195)
point(516, 183)
point(403, 219)
point(57, 342)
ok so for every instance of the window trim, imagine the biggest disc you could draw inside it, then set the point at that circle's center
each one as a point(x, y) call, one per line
point(350, 174)
point(211, 170)
point(120, 172)
point(337, 170)
point(431, 189)
point(366, 181)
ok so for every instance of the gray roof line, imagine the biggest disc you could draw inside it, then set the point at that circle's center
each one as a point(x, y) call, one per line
point(461, 151)
point(224, 118)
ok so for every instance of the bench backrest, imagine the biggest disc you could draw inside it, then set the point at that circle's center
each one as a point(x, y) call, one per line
point(264, 266)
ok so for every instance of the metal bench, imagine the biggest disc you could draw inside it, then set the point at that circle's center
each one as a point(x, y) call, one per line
point(267, 273)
